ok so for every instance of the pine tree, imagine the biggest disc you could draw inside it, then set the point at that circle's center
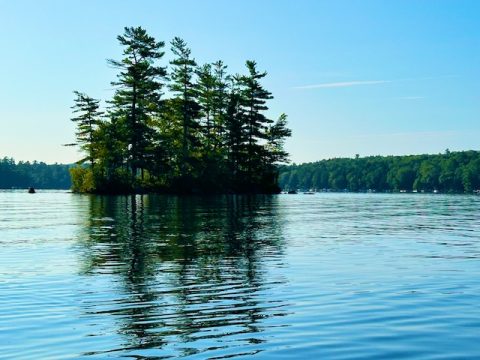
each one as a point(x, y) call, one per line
point(235, 136)
point(87, 117)
point(220, 102)
point(276, 135)
point(275, 151)
point(138, 93)
point(184, 102)
point(110, 144)
point(254, 98)
point(205, 95)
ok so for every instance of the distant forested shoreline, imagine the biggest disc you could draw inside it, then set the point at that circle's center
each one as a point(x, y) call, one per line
point(36, 174)
point(450, 172)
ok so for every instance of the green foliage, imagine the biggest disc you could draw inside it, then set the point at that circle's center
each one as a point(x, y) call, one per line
point(451, 172)
point(82, 180)
point(253, 101)
point(210, 135)
point(137, 97)
point(36, 174)
point(276, 135)
point(87, 117)
point(185, 105)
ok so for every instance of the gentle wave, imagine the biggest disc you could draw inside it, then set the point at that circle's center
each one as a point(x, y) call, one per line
point(342, 276)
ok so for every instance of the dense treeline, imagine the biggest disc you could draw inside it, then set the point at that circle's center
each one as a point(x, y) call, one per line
point(451, 172)
point(210, 134)
point(36, 174)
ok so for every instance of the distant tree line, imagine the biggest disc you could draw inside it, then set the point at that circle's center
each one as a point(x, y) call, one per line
point(211, 133)
point(36, 174)
point(451, 172)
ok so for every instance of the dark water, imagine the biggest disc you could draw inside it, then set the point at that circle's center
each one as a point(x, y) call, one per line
point(291, 276)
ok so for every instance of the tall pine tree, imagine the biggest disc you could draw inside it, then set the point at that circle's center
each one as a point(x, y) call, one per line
point(254, 98)
point(137, 97)
point(220, 102)
point(235, 134)
point(185, 101)
point(206, 95)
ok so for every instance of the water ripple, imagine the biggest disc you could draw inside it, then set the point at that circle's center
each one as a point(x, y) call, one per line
point(341, 276)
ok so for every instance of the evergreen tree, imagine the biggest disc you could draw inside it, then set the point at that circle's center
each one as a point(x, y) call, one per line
point(254, 98)
point(137, 98)
point(87, 116)
point(220, 102)
point(184, 102)
point(212, 98)
point(276, 135)
point(111, 150)
point(206, 97)
point(235, 132)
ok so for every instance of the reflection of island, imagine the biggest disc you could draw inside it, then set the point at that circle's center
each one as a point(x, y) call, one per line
point(194, 272)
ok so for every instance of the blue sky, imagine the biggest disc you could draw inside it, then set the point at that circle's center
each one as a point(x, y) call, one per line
point(366, 77)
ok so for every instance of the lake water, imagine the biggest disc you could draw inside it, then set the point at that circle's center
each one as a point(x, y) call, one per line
point(337, 276)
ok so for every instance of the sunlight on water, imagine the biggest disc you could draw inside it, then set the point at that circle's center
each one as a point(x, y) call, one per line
point(150, 277)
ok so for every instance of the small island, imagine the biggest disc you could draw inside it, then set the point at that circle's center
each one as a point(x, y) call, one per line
point(209, 135)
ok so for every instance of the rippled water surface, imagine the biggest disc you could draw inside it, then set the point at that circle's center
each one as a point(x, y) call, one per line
point(342, 276)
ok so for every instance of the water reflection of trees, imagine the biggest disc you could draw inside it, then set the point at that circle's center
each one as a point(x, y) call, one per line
point(192, 273)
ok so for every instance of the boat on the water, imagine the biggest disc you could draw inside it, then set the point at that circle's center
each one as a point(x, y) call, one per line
point(31, 190)
point(292, 192)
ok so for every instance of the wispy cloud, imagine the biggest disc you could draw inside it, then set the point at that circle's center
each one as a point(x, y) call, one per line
point(343, 84)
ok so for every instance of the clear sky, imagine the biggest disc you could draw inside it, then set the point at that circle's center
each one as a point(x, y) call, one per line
point(366, 77)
